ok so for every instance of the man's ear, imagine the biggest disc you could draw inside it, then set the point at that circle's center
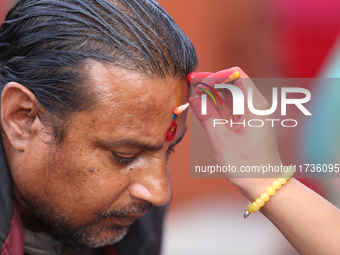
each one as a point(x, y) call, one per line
point(18, 113)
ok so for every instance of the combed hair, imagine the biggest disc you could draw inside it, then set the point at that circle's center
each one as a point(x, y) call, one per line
point(44, 45)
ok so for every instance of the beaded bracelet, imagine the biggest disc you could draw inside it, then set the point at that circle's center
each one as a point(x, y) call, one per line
point(271, 190)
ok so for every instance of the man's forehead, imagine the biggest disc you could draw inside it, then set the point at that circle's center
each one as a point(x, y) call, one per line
point(145, 145)
point(130, 104)
point(126, 89)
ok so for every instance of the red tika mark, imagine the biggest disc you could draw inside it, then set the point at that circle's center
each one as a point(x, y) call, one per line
point(171, 133)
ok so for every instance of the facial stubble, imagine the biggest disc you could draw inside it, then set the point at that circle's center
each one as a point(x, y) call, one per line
point(93, 234)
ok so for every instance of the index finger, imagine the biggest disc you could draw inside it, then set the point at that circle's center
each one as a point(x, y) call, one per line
point(197, 76)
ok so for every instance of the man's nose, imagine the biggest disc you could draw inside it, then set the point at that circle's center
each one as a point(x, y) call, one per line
point(152, 183)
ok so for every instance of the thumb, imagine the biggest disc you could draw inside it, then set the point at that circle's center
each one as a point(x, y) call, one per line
point(211, 121)
point(211, 111)
point(210, 118)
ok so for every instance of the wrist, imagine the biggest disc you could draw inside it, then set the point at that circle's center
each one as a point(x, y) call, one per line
point(256, 204)
point(253, 187)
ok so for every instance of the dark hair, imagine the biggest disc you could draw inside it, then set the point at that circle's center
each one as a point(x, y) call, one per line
point(44, 45)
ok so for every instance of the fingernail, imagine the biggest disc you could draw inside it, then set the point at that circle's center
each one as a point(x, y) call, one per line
point(234, 76)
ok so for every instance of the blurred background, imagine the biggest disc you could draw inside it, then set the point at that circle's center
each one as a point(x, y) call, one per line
point(266, 38)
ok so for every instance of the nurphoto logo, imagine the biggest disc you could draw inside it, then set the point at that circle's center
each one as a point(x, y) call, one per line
point(239, 105)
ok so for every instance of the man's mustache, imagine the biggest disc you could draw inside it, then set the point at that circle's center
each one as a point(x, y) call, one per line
point(128, 210)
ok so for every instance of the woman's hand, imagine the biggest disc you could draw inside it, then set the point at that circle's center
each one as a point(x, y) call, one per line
point(237, 144)
point(309, 222)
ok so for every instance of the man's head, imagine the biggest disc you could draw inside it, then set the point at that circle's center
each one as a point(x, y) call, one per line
point(88, 93)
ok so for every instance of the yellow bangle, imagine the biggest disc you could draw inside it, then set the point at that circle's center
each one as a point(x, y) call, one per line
point(271, 190)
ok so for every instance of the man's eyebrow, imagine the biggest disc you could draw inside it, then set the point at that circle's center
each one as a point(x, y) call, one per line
point(144, 146)
point(134, 143)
